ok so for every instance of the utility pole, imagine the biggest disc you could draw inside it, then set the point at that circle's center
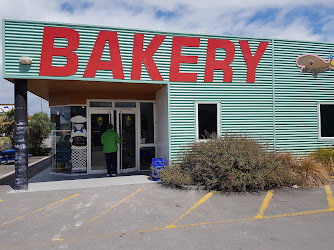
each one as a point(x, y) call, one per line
point(20, 135)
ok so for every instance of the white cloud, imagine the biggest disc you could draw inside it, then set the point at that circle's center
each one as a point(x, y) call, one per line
point(227, 17)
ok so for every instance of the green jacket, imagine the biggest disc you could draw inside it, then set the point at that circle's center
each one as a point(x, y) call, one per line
point(109, 140)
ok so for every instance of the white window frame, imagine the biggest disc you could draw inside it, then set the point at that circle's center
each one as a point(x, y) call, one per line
point(197, 123)
point(319, 121)
point(138, 122)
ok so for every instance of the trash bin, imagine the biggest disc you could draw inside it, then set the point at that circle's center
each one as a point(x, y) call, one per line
point(157, 165)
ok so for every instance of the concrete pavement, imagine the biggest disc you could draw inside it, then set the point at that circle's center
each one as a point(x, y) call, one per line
point(149, 216)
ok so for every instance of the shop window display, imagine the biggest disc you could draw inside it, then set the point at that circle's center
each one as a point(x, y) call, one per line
point(69, 147)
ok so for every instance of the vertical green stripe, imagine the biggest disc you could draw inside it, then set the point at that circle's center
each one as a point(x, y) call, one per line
point(274, 101)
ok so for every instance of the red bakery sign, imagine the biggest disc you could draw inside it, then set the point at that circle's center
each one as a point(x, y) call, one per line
point(144, 56)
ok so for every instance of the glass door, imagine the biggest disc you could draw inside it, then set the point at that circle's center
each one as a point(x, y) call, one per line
point(99, 121)
point(127, 131)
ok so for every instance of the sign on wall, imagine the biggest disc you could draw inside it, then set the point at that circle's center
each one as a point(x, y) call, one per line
point(79, 52)
point(141, 56)
point(310, 63)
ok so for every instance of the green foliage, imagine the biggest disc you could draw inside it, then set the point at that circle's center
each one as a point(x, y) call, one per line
point(326, 157)
point(7, 125)
point(39, 128)
point(236, 163)
point(5, 143)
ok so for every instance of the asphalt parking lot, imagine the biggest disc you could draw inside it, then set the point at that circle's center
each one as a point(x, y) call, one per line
point(149, 216)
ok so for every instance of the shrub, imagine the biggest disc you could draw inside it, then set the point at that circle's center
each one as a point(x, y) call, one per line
point(38, 129)
point(312, 172)
point(238, 163)
point(325, 156)
point(7, 125)
point(5, 143)
point(173, 176)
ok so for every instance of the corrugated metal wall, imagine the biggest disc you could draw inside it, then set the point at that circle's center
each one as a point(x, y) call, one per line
point(23, 38)
point(280, 107)
point(244, 107)
point(297, 95)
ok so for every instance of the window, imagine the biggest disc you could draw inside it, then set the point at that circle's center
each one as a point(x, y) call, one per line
point(100, 104)
point(326, 120)
point(61, 116)
point(125, 104)
point(62, 128)
point(146, 156)
point(147, 122)
point(207, 120)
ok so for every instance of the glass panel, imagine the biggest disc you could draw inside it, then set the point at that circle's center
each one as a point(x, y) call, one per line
point(61, 117)
point(100, 104)
point(147, 123)
point(125, 104)
point(99, 123)
point(61, 152)
point(128, 134)
point(79, 140)
point(69, 145)
point(146, 155)
point(78, 110)
point(327, 120)
point(207, 120)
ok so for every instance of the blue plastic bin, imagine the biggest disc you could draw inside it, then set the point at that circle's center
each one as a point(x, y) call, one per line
point(158, 164)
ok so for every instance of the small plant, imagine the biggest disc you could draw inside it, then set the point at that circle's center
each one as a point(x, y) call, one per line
point(5, 143)
point(7, 125)
point(313, 173)
point(325, 156)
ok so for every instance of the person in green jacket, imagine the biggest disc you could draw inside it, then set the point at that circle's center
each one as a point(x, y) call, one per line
point(110, 139)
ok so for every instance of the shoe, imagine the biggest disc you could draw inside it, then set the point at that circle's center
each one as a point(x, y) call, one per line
point(108, 175)
point(113, 175)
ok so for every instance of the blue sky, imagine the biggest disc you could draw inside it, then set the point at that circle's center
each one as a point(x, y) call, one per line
point(309, 20)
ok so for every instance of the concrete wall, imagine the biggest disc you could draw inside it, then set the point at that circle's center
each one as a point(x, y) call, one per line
point(162, 139)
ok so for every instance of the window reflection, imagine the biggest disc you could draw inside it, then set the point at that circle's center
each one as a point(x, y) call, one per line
point(67, 155)
point(147, 123)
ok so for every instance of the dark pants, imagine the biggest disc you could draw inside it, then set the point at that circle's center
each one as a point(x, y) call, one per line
point(111, 159)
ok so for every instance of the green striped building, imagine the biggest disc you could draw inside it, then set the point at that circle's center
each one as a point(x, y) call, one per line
point(163, 90)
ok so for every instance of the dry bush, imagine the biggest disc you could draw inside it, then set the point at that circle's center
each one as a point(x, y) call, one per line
point(325, 156)
point(239, 163)
point(174, 176)
point(313, 173)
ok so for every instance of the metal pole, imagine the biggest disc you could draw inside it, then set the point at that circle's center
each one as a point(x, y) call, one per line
point(20, 135)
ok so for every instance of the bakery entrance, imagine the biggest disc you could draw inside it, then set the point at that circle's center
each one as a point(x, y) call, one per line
point(124, 121)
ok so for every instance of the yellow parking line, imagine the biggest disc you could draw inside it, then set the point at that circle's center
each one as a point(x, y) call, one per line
point(115, 205)
point(38, 210)
point(96, 237)
point(329, 197)
point(207, 196)
point(1, 200)
point(265, 204)
point(297, 214)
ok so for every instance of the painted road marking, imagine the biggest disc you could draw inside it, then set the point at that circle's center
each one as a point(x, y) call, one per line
point(265, 204)
point(1, 200)
point(329, 197)
point(108, 236)
point(104, 212)
point(38, 210)
point(207, 196)
point(96, 237)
